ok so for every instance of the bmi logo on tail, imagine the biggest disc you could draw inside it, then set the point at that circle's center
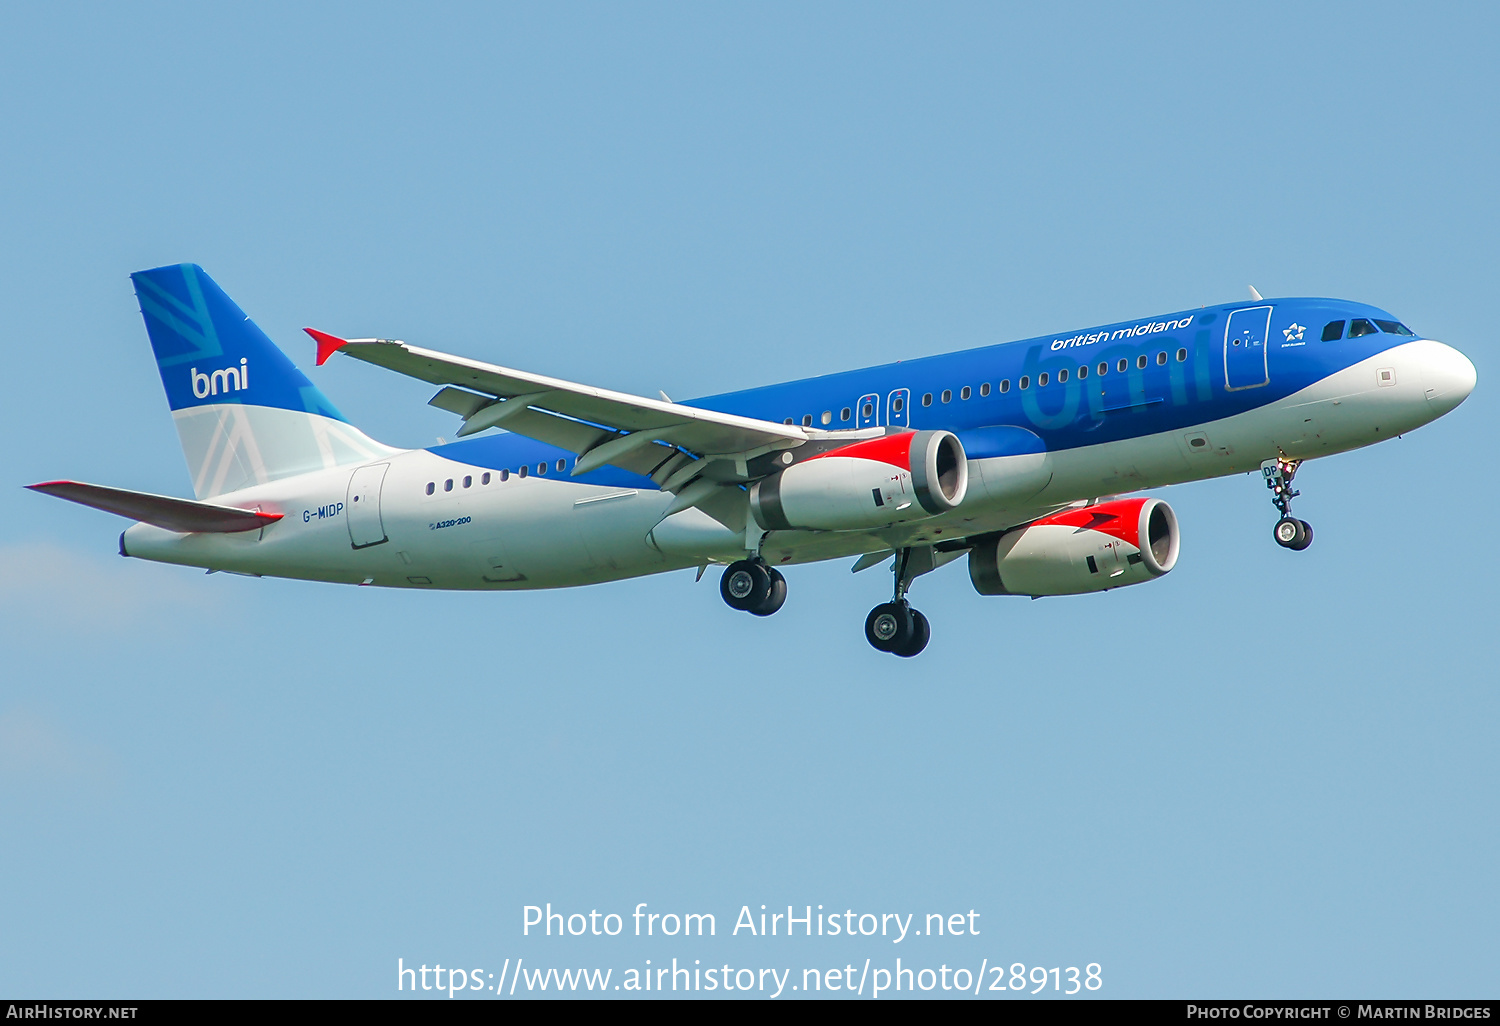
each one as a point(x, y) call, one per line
point(205, 385)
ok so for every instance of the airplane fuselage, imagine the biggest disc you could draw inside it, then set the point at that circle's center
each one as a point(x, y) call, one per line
point(1045, 422)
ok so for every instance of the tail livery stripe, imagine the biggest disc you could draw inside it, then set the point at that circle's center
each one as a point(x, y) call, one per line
point(210, 353)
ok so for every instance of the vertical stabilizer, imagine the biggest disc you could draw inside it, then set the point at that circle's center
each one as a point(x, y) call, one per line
point(244, 413)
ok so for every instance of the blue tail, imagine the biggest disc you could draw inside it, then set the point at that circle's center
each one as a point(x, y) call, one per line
point(245, 414)
point(209, 352)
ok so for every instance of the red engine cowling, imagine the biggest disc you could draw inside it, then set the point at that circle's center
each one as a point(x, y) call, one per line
point(888, 480)
point(1092, 548)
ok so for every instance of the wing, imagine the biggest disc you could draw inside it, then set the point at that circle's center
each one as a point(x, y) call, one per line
point(672, 443)
point(181, 515)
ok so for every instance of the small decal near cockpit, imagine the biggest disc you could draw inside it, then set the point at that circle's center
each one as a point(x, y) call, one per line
point(1294, 333)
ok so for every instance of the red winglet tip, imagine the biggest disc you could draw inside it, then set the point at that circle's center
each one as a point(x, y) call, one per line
point(327, 344)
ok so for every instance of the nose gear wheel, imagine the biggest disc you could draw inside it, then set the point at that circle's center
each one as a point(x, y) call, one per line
point(1289, 532)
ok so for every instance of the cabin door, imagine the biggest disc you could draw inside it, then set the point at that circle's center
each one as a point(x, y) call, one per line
point(362, 508)
point(1245, 348)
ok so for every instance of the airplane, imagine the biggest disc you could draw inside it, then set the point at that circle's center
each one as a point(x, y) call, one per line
point(1019, 456)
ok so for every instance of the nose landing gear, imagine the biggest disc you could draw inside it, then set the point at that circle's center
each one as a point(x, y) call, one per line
point(895, 626)
point(753, 586)
point(1289, 532)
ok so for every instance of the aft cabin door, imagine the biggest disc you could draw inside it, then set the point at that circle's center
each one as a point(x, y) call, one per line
point(1245, 348)
point(362, 508)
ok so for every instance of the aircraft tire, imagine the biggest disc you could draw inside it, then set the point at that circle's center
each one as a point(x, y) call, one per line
point(888, 626)
point(1292, 534)
point(921, 634)
point(745, 584)
point(775, 597)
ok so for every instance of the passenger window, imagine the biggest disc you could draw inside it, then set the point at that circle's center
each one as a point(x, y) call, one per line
point(965, 392)
point(541, 468)
point(1181, 355)
point(947, 395)
point(430, 488)
point(562, 465)
point(485, 479)
point(1394, 328)
point(807, 417)
point(504, 476)
point(1103, 368)
point(1083, 372)
point(523, 470)
point(1041, 380)
point(1005, 385)
point(468, 481)
point(1025, 382)
point(1333, 331)
point(1161, 359)
point(789, 419)
point(827, 417)
point(845, 413)
point(1123, 366)
point(1140, 362)
point(1359, 326)
point(448, 485)
point(926, 398)
point(984, 389)
point(1062, 376)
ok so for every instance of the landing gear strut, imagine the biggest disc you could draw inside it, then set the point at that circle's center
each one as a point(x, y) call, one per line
point(753, 586)
point(895, 626)
point(1290, 533)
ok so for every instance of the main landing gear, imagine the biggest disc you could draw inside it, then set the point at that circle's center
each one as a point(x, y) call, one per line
point(895, 626)
point(1290, 533)
point(753, 586)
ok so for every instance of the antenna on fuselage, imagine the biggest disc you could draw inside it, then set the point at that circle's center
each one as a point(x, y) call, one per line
point(1256, 295)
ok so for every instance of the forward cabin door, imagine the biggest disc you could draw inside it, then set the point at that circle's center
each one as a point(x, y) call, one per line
point(1245, 348)
point(362, 508)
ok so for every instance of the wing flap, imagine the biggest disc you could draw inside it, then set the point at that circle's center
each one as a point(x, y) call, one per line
point(184, 516)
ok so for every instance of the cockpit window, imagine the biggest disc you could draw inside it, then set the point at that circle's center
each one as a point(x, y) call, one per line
point(1333, 331)
point(1394, 328)
point(1359, 326)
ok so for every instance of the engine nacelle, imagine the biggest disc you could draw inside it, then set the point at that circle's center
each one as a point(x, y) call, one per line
point(889, 480)
point(1092, 548)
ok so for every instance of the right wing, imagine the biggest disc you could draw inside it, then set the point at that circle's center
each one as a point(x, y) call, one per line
point(672, 443)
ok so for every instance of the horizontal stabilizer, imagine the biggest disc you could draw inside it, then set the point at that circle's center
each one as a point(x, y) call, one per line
point(182, 515)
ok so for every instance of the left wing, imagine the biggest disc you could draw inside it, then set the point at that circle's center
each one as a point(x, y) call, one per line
point(672, 443)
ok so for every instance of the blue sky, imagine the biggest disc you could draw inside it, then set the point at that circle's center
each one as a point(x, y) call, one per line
point(1268, 774)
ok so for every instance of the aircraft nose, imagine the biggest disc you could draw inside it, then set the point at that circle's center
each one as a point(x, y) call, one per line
point(1449, 377)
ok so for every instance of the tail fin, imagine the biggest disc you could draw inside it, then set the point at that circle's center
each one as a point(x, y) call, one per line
point(244, 413)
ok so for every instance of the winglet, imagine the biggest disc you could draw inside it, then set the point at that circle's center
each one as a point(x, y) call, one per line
point(1253, 295)
point(327, 344)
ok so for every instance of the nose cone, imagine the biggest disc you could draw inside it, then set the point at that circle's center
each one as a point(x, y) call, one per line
point(1448, 375)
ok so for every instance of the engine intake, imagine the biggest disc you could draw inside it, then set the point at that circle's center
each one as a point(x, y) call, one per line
point(894, 479)
point(1092, 548)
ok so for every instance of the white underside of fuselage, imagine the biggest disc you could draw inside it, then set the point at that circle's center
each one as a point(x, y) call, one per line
point(552, 532)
